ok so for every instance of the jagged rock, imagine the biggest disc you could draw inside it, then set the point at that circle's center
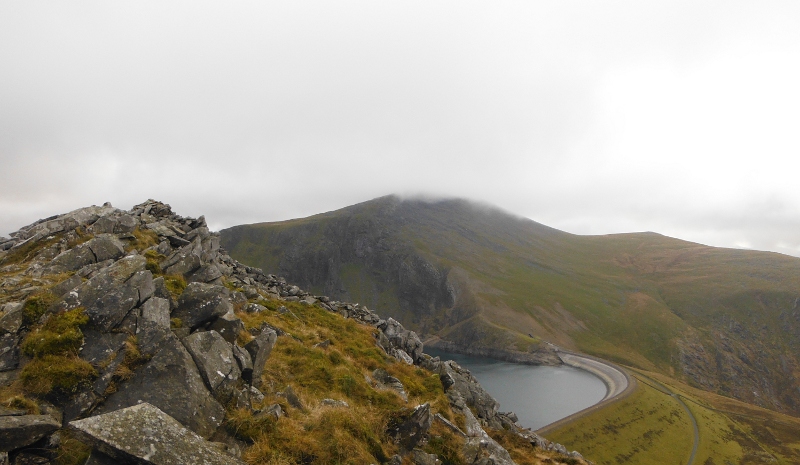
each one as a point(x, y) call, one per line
point(9, 352)
point(146, 434)
point(156, 310)
point(98, 347)
point(67, 285)
point(171, 382)
point(259, 350)
point(142, 281)
point(106, 297)
point(388, 381)
point(228, 326)
point(125, 224)
point(401, 355)
point(20, 431)
point(184, 260)
point(401, 338)
point(201, 303)
point(11, 319)
point(205, 274)
point(412, 430)
point(244, 361)
point(214, 358)
point(101, 248)
point(469, 388)
point(163, 292)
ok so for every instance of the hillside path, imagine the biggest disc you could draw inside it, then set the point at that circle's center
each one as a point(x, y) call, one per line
point(664, 389)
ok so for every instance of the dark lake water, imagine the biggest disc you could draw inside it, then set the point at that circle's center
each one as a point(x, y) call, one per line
point(539, 395)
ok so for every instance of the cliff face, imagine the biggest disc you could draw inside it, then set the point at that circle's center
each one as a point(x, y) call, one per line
point(131, 336)
point(480, 280)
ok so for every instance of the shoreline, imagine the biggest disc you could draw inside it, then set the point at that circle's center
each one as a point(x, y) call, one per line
point(619, 385)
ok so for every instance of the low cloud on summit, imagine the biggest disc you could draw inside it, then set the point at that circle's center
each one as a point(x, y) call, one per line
point(594, 118)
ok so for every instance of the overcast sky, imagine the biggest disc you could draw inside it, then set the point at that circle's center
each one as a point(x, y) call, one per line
point(592, 117)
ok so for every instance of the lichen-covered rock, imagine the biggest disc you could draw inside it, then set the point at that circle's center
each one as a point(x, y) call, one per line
point(20, 431)
point(214, 358)
point(401, 338)
point(259, 350)
point(228, 326)
point(171, 382)
point(11, 319)
point(201, 303)
point(9, 352)
point(145, 434)
point(156, 310)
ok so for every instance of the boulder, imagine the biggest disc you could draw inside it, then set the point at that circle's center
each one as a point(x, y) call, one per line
point(171, 382)
point(205, 274)
point(245, 362)
point(201, 303)
point(254, 308)
point(259, 350)
point(9, 352)
point(105, 297)
point(23, 430)
point(11, 319)
point(401, 338)
point(228, 326)
point(214, 358)
point(125, 224)
point(184, 260)
point(106, 247)
point(142, 281)
point(156, 310)
point(144, 434)
point(413, 429)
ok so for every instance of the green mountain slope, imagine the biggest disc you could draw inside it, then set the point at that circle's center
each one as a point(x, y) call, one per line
point(723, 320)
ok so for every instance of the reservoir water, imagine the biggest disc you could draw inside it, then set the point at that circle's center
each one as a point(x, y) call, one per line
point(539, 395)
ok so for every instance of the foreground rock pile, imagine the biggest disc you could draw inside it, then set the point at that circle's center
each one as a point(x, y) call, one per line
point(129, 316)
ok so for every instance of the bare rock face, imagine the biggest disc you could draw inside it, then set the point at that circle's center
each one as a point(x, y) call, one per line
point(411, 431)
point(259, 350)
point(171, 382)
point(215, 360)
point(20, 431)
point(201, 303)
point(143, 434)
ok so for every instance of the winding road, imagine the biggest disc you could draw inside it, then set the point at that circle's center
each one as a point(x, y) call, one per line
point(665, 390)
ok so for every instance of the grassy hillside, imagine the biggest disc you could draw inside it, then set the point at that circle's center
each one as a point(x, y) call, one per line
point(653, 427)
point(719, 319)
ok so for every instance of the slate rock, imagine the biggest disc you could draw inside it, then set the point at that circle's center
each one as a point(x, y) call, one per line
point(201, 303)
point(205, 274)
point(104, 225)
point(9, 352)
point(156, 310)
point(228, 326)
point(73, 259)
point(171, 382)
point(184, 260)
point(106, 247)
point(11, 320)
point(20, 431)
point(414, 429)
point(145, 434)
point(244, 361)
point(401, 338)
point(213, 356)
point(125, 224)
point(388, 381)
point(254, 308)
point(259, 350)
point(106, 298)
point(98, 347)
point(142, 281)
point(67, 285)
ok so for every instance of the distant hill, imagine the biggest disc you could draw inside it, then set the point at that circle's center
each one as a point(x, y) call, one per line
point(723, 320)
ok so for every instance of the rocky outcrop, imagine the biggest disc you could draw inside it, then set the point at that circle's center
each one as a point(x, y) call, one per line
point(159, 369)
point(144, 434)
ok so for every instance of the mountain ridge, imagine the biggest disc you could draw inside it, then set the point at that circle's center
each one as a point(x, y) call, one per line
point(721, 319)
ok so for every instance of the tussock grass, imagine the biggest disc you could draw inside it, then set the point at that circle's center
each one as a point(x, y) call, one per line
point(326, 434)
point(56, 376)
point(59, 335)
